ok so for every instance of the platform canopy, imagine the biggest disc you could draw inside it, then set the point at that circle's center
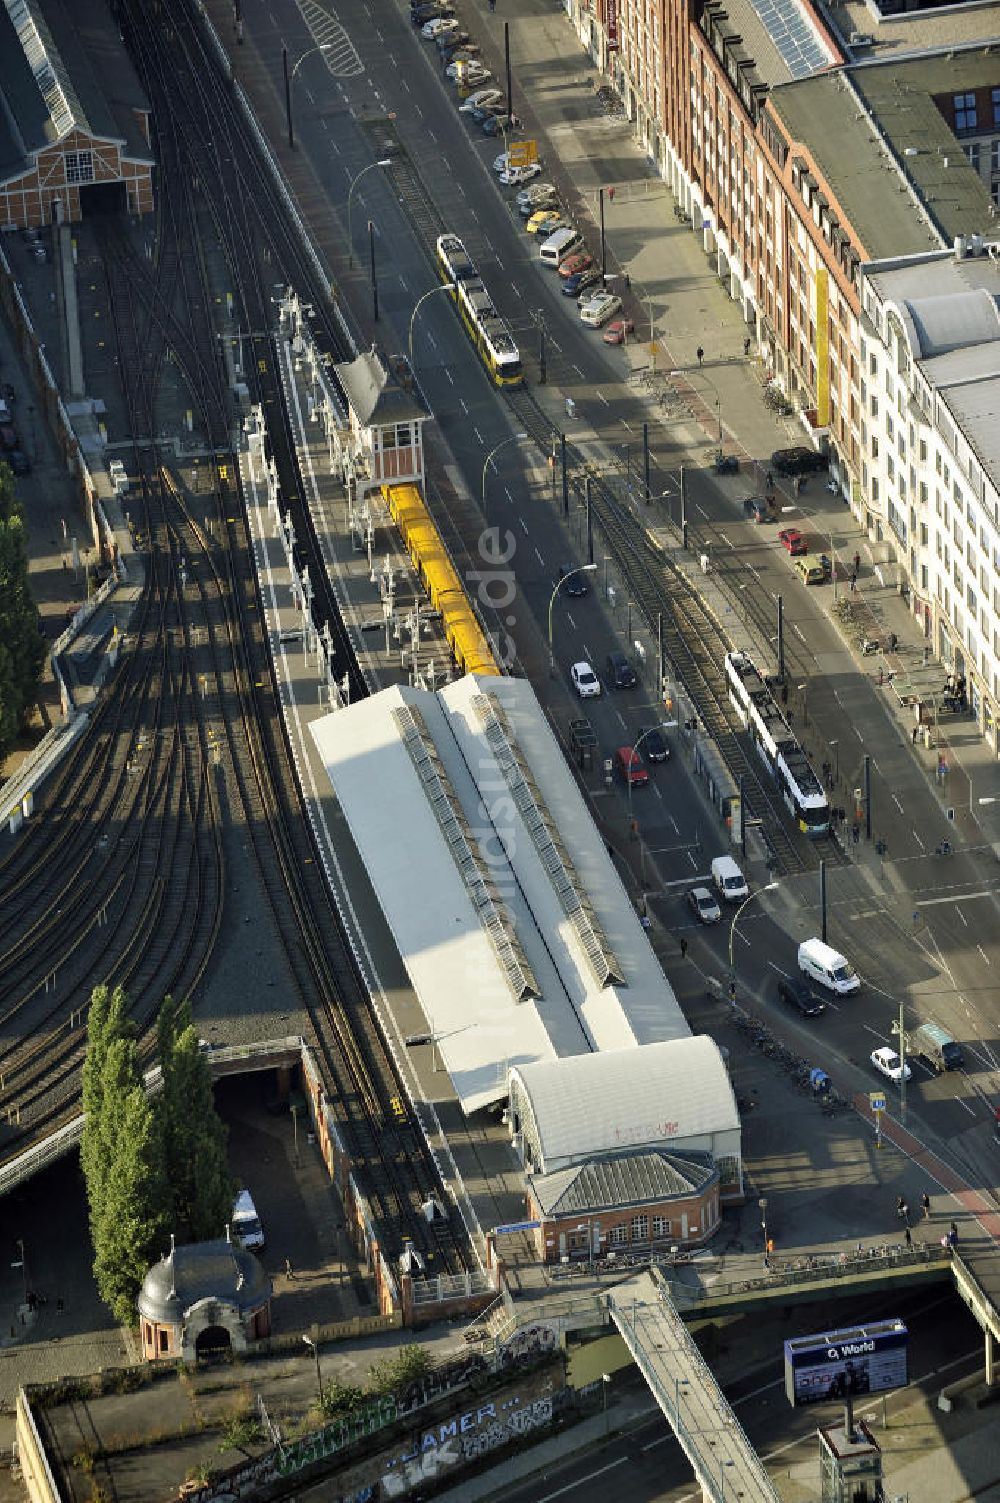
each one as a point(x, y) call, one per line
point(516, 932)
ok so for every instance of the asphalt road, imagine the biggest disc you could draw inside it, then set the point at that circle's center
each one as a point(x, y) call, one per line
point(911, 935)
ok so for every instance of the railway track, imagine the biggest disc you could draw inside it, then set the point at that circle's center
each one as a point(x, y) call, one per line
point(694, 641)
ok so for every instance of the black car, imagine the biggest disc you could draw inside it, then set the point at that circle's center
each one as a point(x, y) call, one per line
point(580, 280)
point(576, 581)
point(799, 460)
point(797, 994)
point(18, 461)
point(621, 674)
point(654, 747)
point(494, 125)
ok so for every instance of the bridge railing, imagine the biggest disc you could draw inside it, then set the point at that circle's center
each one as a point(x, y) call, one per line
point(794, 1272)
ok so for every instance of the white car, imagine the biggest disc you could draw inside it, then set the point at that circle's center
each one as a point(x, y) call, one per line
point(585, 681)
point(502, 164)
point(597, 310)
point(469, 71)
point(704, 905)
point(888, 1063)
point(480, 99)
point(515, 176)
point(536, 191)
point(436, 24)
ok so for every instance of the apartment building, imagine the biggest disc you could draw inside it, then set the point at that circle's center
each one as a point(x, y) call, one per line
point(930, 351)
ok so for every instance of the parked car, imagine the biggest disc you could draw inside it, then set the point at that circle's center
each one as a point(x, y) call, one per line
point(546, 203)
point(515, 176)
point(654, 744)
point(572, 264)
point(618, 332)
point(799, 460)
point(431, 28)
point(480, 97)
point(597, 310)
point(888, 1063)
point(580, 281)
point(703, 905)
point(629, 766)
point(494, 124)
point(792, 541)
point(545, 222)
point(18, 461)
point(621, 674)
point(585, 681)
point(535, 191)
point(795, 993)
point(8, 437)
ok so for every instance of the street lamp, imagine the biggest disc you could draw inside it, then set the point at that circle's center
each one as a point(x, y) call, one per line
point(605, 1384)
point(732, 928)
point(663, 725)
point(762, 1202)
point(23, 1266)
point(513, 439)
point(722, 1478)
point(451, 287)
point(289, 78)
point(382, 162)
point(835, 748)
point(583, 569)
point(319, 1375)
point(803, 689)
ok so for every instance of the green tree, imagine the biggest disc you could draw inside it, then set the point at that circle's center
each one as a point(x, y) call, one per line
point(194, 1137)
point(122, 1157)
point(22, 646)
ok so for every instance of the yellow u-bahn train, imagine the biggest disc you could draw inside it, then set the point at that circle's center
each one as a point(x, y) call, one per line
point(470, 649)
point(487, 330)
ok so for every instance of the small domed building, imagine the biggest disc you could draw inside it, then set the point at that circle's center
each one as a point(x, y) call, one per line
point(203, 1300)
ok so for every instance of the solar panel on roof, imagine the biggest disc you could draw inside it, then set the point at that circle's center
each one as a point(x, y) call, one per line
point(801, 49)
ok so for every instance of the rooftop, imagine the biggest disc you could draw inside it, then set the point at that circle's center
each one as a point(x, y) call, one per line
point(516, 932)
point(941, 28)
point(784, 38)
point(202, 1270)
point(376, 394)
point(889, 158)
point(625, 1179)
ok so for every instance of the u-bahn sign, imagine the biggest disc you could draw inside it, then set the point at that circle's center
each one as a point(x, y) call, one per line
point(839, 1364)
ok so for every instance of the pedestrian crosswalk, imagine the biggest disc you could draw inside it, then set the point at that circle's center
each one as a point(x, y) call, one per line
point(327, 31)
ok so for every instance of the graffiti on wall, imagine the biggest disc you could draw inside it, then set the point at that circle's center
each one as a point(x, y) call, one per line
point(465, 1438)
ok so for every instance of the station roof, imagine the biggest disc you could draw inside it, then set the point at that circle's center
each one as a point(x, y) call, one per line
point(516, 932)
point(588, 1106)
point(627, 1179)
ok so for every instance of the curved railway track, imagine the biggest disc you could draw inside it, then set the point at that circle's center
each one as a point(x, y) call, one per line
point(137, 842)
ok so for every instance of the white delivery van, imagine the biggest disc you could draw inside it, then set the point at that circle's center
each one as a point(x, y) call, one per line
point(826, 965)
point(246, 1223)
point(560, 246)
point(729, 881)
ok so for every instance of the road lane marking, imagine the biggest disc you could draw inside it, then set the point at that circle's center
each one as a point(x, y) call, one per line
point(962, 916)
point(983, 953)
point(897, 803)
point(539, 558)
point(966, 897)
point(574, 1487)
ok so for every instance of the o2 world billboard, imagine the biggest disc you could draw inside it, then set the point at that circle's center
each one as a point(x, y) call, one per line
point(839, 1364)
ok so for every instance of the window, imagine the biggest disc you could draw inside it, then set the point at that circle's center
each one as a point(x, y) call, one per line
point(79, 166)
point(995, 101)
point(965, 111)
point(618, 1236)
point(972, 152)
point(640, 1228)
point(661, 1227)
point(164, 1340)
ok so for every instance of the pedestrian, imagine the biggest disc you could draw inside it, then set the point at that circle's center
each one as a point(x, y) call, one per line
point(732, 993)
point(904, 1210)
point(684, 947)
point(909, 1237)
point(628, 282)
point(857, 563)
point(493, 6)
point(854, 583)
point(289, 1274)
point(784, 694)
point(925, 1205)
point(881, 677)
point(800, 485)
point(746, 346)
point(953, 1233)
point(914, 734)
point(701, 355)
point(855, 832)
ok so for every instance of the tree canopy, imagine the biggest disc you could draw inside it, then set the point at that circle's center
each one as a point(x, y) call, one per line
point(153, 1165)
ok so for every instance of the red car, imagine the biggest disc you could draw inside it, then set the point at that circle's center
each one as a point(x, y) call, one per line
point(629, 764)
point(582, 261)
point(792, 539)
point(618, 332)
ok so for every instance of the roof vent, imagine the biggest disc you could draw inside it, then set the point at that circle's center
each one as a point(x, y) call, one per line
point(912, 151)
point(861, 39)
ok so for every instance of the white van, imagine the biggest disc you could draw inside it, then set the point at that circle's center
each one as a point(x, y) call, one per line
point(729, 881)
point(826, 965)
point(247, 1229)
point(560, 246)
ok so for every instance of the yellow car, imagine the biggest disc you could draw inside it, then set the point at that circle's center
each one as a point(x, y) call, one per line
point(545, 221)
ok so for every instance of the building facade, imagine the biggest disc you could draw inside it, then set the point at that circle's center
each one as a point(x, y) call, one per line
point(931, 357)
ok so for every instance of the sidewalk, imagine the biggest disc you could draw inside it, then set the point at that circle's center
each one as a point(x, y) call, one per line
point(669, 286)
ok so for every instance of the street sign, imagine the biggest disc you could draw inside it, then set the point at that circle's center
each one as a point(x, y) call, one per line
point(876, 1101)
point(522, 153)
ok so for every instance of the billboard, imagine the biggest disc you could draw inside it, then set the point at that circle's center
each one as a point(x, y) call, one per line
point(611, 24)
point(840, 1364)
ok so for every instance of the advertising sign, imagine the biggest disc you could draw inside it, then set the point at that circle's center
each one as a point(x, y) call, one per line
point(611, 24)
point(840, 1364)
point(523, 153)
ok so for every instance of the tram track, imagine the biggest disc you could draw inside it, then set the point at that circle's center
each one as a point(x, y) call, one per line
point(694, 641)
